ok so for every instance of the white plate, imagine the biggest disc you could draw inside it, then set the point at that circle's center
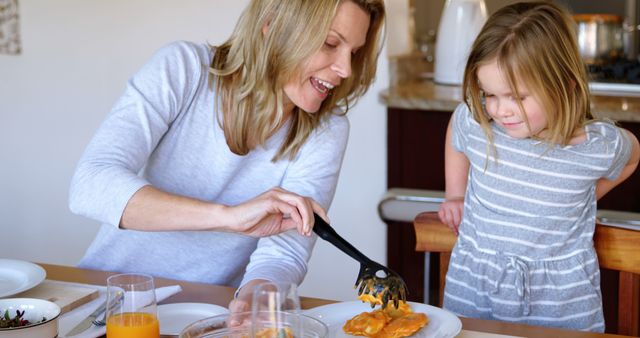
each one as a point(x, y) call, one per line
point(175, 317)
point(442, 323)
point(17, 276)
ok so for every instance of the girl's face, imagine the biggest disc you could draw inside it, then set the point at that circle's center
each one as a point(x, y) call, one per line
point(501, 104)
point(325, 69)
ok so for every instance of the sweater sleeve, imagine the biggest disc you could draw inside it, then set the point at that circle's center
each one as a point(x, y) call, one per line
point(107, 174)
point(314, 173)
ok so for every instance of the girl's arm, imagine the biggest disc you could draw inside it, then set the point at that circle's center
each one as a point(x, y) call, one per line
point(456, 170)
point(604, 186)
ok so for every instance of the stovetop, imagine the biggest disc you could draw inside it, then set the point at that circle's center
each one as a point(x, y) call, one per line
point(624, 71)
point(616, 78)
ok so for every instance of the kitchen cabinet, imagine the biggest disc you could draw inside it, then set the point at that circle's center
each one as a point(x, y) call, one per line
point(626, 196)
point(415, 159)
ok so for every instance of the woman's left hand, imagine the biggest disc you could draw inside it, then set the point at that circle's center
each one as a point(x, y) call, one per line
point(242, 302)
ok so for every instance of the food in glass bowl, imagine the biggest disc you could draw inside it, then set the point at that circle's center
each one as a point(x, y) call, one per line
point(241, 326)
point(274, 333)
point(390, 322)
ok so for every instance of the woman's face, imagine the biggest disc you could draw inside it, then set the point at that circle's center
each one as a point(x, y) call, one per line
point(326, 68)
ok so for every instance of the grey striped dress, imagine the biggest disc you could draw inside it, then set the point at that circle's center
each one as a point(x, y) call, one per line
point(525, 251)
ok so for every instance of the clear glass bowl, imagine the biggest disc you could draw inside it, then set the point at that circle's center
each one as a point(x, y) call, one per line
point(217, 326)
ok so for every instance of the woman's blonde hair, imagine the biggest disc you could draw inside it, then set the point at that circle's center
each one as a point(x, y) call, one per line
point(533, 43)
point(251, 68)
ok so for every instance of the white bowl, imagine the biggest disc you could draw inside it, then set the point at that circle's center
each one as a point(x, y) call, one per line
point(34, 311)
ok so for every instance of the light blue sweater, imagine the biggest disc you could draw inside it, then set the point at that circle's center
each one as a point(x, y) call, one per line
point(163, 132)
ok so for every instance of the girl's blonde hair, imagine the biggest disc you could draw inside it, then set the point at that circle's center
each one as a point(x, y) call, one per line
point(252, 67)
point(533, 43)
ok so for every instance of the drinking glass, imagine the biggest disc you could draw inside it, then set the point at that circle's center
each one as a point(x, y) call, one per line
point(131, 307)
point(275, 308)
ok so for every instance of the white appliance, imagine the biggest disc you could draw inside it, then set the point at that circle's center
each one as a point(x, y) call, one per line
point(459, 26)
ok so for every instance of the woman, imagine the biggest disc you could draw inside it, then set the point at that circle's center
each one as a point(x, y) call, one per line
point(213, 153)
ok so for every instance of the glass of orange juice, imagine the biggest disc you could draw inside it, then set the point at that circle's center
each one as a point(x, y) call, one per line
point(131, 307)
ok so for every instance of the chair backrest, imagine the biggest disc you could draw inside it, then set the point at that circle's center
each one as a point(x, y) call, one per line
point(617, 249)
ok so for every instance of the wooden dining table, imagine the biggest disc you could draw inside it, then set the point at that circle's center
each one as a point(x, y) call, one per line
point(222, 295)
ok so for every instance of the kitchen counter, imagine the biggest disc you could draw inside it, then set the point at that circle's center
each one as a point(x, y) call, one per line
point(424, 94)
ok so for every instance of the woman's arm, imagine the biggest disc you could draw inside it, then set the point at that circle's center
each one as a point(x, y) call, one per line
point(151, 209)
point(603, 186)
point(456, 169)
point(315, 174)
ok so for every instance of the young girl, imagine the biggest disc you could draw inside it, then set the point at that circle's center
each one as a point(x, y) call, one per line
point(525, 166)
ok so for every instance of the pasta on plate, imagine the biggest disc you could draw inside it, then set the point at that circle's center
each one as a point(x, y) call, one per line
point(390, 322)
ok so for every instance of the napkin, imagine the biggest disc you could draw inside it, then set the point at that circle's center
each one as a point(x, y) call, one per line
point(69, 320)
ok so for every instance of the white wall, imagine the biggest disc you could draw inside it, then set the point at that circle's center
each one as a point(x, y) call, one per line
point(76, 57)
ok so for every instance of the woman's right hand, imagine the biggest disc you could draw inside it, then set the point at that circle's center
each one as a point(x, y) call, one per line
point(450, 213)
point(274, 211)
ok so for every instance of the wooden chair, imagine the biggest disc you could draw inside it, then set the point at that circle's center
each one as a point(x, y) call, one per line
point(618, 249)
